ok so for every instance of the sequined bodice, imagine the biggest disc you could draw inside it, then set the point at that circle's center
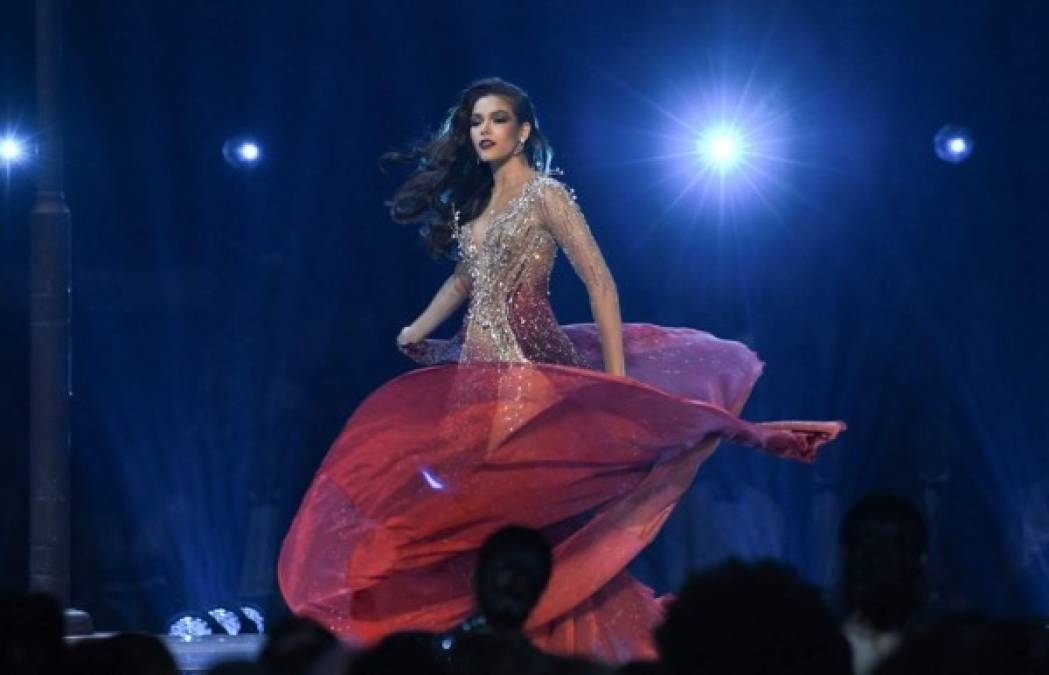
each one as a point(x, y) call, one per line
point(509, 316)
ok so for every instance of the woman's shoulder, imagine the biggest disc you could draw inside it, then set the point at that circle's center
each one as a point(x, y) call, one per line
point(548, 187)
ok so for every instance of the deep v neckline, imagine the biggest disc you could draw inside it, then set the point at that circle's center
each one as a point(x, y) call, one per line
point(496, 215)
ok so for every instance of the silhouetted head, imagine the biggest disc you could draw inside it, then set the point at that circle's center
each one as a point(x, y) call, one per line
point(513, 569)
point(883, 542)
point(751, 619)
point(295, 645)
point(31, 628)
point(407, 652)
point(123, 654)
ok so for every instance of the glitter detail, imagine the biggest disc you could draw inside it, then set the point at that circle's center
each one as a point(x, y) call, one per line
point(509, 318)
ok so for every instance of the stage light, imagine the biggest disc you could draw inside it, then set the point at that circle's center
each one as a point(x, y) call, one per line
point(226, 618)
point(721, 148)
point(255, 617)
point(12, 150)
point(249, 152)
point(188, 626)
point(953, 144)
point(242, 153)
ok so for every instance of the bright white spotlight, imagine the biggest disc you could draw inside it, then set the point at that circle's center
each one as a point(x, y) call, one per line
point(12, 150)
point(953, 144)
point(724, 148)
point(249, 152)
point(721, 148)
point(242, 153)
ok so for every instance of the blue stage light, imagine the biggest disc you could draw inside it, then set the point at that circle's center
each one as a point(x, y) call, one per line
point(254, 616)
point(729, 149)
point(721, 148)
point(227, 618)
point(249, 152)
point(189, 625)
point(12, 150)
point(953, 144)
point(242, 153)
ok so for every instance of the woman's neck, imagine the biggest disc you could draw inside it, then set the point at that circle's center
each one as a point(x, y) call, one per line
point(510, 174)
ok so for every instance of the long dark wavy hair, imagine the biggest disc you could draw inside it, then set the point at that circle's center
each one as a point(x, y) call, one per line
point(448, 176)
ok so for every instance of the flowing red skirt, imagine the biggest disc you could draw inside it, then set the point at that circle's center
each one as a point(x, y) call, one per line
point(436, 460)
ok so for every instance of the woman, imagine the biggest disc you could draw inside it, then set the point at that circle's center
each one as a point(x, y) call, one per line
point(516, 423)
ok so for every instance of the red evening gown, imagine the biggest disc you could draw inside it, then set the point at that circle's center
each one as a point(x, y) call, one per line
point(514, 422)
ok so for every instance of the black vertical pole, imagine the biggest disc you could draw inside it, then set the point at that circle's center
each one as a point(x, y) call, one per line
point(49, 303)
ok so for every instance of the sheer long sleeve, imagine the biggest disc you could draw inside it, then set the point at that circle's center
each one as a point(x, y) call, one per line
point(566, 223)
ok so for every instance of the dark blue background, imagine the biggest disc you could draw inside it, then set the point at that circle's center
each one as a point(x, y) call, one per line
point(226, 324)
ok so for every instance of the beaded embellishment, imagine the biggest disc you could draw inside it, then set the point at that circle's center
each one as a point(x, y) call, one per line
point(509, 271)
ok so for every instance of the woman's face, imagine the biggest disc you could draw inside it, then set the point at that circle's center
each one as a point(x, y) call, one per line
point(494, 130)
